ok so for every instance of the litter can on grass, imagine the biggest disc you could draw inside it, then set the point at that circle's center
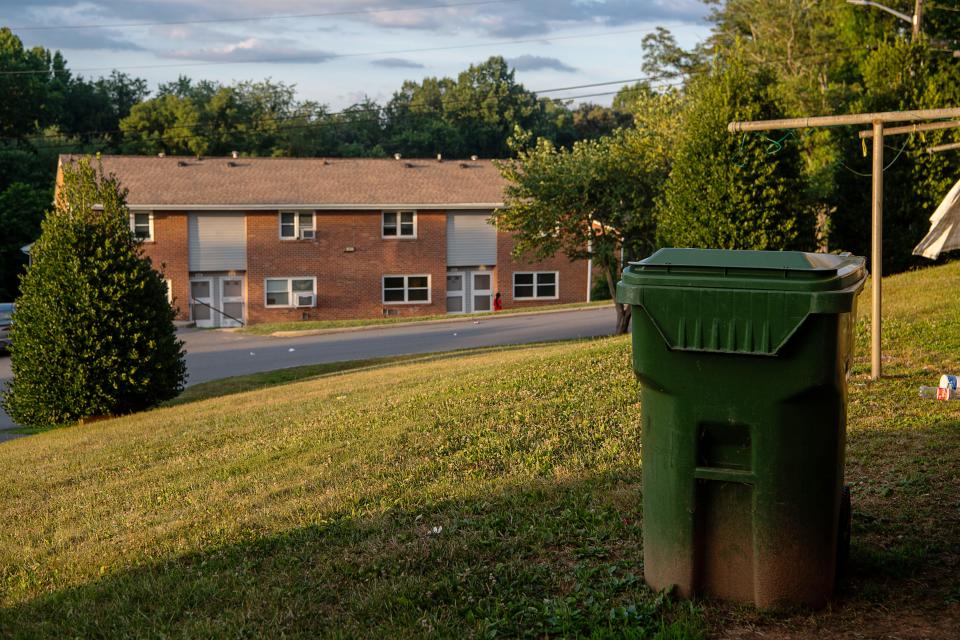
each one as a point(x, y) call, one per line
point(742, 358)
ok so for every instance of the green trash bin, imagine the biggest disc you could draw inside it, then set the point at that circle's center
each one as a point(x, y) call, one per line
point(742, 358)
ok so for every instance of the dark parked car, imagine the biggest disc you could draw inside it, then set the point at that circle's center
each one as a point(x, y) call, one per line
point(6, 319)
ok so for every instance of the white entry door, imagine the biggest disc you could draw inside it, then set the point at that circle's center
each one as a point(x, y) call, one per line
point(201, 302)
point(456, 293)
point(481, 291)
point(231, 302)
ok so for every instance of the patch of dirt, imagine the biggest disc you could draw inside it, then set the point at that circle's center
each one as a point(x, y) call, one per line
point(849, 625)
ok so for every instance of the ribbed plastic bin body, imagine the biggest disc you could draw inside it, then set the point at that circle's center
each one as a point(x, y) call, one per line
point(742, 358)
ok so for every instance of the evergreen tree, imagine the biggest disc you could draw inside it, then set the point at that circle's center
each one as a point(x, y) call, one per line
point(93, 333)
point(733, 192)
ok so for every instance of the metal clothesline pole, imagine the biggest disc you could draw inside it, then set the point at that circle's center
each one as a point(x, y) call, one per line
point(877, 120)
point(943, 147)
point(876, 260)
point(914, 128)
point(836, 121)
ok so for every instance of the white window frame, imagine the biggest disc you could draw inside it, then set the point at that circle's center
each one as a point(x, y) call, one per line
point(399, 236)
point(406, 288)
point(296, 224)
point(290, 293)
point(133, 225)
point(535, 285)
point(169, 283)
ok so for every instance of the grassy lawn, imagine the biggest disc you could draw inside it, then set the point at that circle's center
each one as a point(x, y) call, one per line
point(489, 494)
point(268, 328)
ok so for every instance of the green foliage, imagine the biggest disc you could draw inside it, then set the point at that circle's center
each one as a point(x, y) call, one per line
point(593, 199)
point(93, 333)
point(100, 105)
point(733, 192)
point(812, 49)
point(21, 210)
point(898, 75)
point(24, 106)
point(664, 59)
point(473, 113)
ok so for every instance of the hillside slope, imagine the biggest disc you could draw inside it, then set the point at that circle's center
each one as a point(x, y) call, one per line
point(479, 495)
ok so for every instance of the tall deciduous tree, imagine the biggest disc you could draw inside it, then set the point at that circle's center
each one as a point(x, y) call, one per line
point(592, 201)
point(24, 106)
point(93, 332)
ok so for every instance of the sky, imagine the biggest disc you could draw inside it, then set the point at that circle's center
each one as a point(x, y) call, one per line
point(338, 51)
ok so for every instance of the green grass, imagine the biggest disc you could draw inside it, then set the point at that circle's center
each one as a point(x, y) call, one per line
point(265, 379)
point(490, 494)
point(313, 325)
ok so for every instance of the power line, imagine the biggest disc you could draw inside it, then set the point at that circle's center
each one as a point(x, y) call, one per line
point(335, 56)
point(354, 12)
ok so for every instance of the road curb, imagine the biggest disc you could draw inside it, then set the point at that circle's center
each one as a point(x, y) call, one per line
point(420, 323)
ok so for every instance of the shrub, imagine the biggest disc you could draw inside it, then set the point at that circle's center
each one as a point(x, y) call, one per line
point(93, 333)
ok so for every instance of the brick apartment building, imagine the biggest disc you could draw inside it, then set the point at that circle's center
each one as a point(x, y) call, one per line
point(248, 240)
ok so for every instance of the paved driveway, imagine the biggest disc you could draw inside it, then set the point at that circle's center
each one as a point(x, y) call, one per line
point(220, 354)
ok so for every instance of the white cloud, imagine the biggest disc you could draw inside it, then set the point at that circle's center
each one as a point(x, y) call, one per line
point(253, 50)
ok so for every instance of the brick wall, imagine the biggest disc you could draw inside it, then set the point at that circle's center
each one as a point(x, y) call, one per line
point(573, 275)
point(349, 283)
point(168, 251)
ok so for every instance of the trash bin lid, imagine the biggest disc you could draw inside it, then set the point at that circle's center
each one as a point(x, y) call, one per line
point(737, 269)
point(747, 302)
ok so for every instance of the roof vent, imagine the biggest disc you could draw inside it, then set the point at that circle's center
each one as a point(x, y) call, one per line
point(231, 163)
point(408, 165)
point(161, 154)
point(326, 162)
point(397, 156)
point(464, 165)
point(439, 158)
point(474, 158)
point(181, 163)
point(234, 155)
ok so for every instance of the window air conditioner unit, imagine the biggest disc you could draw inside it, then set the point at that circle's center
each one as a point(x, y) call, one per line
point(308, 234)
point(304, 299)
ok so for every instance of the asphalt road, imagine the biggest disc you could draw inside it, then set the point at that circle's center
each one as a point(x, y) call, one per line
point(215, 354)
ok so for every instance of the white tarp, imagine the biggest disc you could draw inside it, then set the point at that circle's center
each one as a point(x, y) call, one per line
point(944, 234)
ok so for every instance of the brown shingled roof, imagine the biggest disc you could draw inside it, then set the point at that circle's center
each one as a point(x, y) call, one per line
point(313, 182)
